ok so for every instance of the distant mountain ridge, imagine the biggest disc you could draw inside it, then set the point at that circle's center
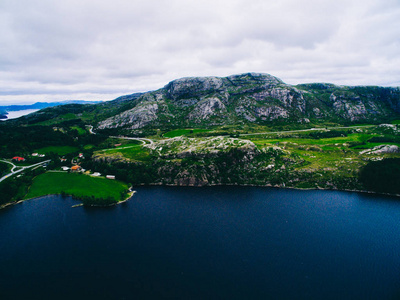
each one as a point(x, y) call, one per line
point(40, 105)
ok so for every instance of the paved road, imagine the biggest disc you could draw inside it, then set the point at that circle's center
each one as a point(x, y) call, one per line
point(303, 130)
point(91, 129)
point(20, 170)
point(143, 140)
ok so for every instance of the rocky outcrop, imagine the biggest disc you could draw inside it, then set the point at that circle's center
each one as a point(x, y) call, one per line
point(137, 117)
point(382, 149)
point(207, 108)
point(271, 113)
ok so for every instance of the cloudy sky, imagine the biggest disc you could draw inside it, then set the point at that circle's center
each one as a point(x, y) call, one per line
point(98, 50)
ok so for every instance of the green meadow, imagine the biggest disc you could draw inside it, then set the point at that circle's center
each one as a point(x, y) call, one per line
point(78, 185)
point(180, 132)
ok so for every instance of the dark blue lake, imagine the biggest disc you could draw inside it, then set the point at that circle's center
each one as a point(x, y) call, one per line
point(204, 243)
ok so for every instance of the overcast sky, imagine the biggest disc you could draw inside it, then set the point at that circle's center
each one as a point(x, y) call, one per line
point(98, 50)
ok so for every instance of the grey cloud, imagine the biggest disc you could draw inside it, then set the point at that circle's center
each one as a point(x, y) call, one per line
point(92, 47)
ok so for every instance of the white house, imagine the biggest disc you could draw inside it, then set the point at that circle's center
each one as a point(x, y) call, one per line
point(110, 176)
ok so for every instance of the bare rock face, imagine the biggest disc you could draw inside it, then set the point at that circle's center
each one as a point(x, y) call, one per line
point(193, 87)
point(271, 113)
point(382, 149)
point(349, 107)
point(244, 113)
point(207, 108)
point(138, 117)
point(290, 98)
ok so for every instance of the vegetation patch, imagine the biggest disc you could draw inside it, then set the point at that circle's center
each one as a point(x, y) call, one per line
point(132, 152)
point(382, 176)
point(80, 130)
point(180, 132)
point(60, 150)
point(4, 168)
point(90, 190)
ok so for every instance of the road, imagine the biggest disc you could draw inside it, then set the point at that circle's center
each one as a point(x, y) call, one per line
point(20, 170)
point(143, 140)
point(150, 142)
point(303, 130)
point(91, 129)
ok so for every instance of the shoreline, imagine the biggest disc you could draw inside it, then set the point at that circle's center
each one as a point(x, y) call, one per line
point(130, 195)
point(209, 185)
point(276, 187)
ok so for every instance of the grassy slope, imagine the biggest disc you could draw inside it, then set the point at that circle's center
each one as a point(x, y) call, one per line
point(179, 132)
point(77, 185)
point(131, 152)
point(60, 150)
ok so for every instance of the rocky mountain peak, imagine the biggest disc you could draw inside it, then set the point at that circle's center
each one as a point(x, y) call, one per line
point(254, 98)
point(255, 78)
point(193, 87)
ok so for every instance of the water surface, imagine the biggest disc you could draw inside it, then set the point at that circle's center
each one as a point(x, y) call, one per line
point(19, 113)
point(204, 243)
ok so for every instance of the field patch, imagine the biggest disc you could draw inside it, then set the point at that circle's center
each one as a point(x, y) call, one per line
point(132, 152)
point(180, 132)
point(78, 185)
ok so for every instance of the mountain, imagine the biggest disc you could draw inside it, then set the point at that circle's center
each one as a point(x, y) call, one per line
point(256, 99)
point(239, 100)
point(40, 105)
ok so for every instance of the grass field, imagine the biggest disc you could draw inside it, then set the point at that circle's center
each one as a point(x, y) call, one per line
point(88, 147)
point(80, 130)
point(78, 185)
point(60, 150)
point(132, 152)
point(180, 132)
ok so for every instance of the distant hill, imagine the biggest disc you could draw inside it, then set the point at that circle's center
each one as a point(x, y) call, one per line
point(39, 105)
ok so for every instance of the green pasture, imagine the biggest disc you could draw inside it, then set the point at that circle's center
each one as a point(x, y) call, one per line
point(133, 152)
point(123, 142)
point(88, 147)
point(74, 184)
point(80, 130)
point(180, 132)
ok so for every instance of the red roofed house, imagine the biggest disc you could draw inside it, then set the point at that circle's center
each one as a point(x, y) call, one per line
point(17, 158)
point(75, 168)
